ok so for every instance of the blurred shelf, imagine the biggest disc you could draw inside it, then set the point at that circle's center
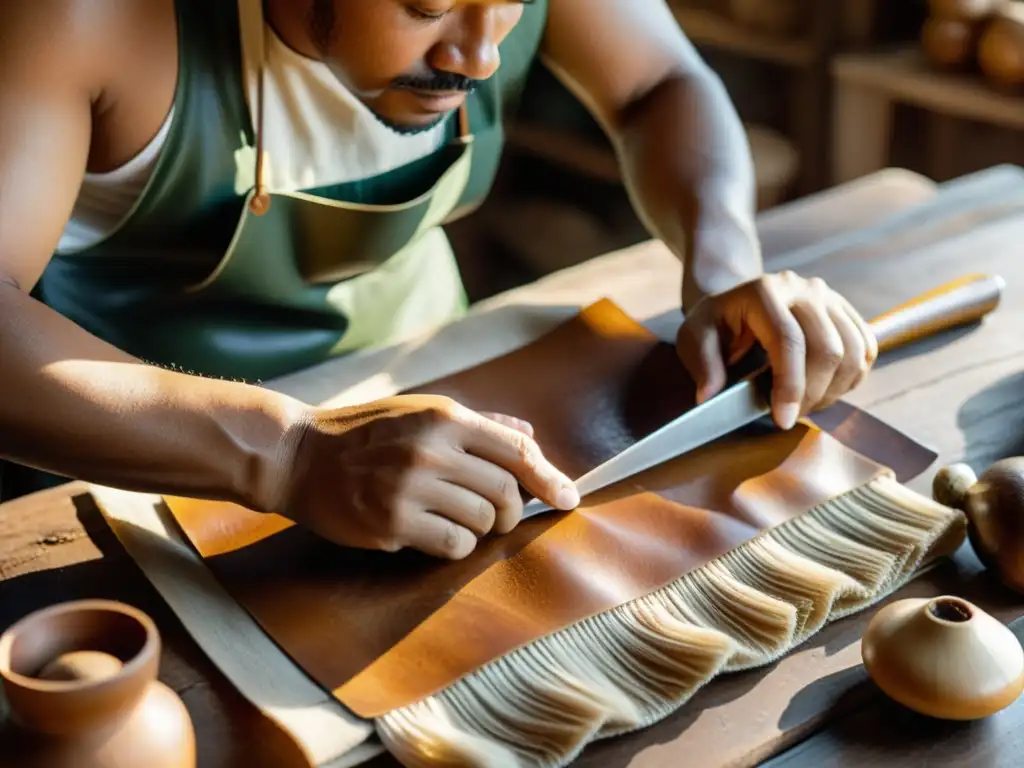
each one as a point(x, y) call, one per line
point(868, 86)
point(566, 149)
point(905, 76)
point(776, 159)
point(716, 30)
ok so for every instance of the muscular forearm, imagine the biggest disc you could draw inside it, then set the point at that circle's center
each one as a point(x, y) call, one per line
point(689, 171)
point(76, 406)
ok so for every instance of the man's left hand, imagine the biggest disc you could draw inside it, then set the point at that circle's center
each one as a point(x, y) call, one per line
point(818, 346)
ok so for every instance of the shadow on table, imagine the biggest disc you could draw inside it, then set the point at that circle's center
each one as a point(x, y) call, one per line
point(992, 423)
point(94, 579)
point(876, 730)
point(850, 696)
point(927, 345)
point(229, 730)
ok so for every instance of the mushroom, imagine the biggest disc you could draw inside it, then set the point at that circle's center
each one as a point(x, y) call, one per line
point(943, 657)
point(994, 505)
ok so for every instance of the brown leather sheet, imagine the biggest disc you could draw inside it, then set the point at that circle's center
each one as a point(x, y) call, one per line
point(383, 630)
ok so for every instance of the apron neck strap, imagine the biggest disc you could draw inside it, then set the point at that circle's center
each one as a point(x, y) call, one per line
point(259, 203)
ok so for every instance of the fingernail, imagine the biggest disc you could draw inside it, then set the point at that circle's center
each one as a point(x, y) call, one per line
point(788, 414)
point(567, 498)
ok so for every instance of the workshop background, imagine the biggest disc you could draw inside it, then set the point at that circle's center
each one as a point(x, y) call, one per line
point(829, 90)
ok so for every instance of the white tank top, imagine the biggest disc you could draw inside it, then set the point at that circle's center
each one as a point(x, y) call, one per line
point(316, 133)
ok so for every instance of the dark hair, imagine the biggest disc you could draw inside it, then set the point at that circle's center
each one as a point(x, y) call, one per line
point(321, 24)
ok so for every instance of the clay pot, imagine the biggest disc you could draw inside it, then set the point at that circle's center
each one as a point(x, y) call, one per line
point(943, 657)
point(949, 43)
point(963, 10)
point(776, 17)
point(994, 505)
point(1001, 48)
point(81, 684)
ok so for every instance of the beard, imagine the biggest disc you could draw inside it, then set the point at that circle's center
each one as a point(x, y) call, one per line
point(403, 129)
point(435, 81)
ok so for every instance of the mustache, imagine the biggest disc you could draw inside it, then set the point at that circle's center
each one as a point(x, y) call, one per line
point(435, 81)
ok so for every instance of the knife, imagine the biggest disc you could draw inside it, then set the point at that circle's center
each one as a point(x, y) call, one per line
point(960, 302)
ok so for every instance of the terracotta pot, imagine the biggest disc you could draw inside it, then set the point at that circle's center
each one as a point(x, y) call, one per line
point(943, 657)
point(1001, 48)
point(81, 683)
point(949, 43)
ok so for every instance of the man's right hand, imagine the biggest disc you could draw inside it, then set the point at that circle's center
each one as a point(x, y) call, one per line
point(415, 471)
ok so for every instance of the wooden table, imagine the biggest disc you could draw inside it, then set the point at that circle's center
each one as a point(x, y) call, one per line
point(960, 394)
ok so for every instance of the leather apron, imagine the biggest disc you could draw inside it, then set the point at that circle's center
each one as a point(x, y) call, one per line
point(202, 276)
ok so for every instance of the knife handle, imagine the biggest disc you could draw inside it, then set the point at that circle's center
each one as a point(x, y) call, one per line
point(959, 302)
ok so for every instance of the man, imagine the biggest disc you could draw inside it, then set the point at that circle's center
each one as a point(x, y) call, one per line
point(196, 193)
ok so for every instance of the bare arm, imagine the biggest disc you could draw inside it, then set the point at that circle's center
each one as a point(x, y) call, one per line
point(690, 172)
point(70, 403)
point(681, 145)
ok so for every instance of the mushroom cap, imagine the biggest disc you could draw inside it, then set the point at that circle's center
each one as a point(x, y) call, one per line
point(951, 484)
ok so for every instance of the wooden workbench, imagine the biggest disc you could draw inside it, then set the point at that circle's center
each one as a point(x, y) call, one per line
point(878, 240)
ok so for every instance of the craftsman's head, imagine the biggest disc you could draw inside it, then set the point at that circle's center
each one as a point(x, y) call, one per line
point(410, 61)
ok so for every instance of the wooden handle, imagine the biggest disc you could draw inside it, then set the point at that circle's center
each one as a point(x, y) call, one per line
point(959, 302)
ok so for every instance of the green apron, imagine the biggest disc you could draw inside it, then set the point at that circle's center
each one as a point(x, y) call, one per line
point(193, 279)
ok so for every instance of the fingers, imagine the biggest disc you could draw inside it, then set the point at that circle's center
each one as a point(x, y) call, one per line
point(855, 361)
point(741, 344)
point(856, 356)
point(784, 341)
point(510, 421)
point(866, 334)
point(436, 535)
point(488, 481)
point(453, 501)
point(818, 346)
point(826, 351)
point(699, 348)
point(519, 454)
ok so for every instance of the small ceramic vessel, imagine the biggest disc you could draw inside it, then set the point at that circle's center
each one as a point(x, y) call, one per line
point(1001, 49)
point(943, 657)
point(80, 681)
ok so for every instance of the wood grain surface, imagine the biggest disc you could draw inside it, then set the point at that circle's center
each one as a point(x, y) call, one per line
point(959, 394)
point(879, 732)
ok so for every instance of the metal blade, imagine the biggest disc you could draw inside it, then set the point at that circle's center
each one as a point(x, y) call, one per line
point(736, 407)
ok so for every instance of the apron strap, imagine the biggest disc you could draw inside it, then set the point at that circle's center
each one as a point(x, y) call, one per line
point(259, 204)
point(252, 14)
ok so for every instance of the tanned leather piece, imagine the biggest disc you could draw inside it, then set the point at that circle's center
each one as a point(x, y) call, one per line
point(384, 630)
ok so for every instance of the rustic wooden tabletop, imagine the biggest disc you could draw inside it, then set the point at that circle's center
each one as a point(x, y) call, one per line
point(880, 240)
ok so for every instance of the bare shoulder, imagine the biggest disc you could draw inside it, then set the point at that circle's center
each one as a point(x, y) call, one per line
point(82, 38)
point(121, 54)
point(84, 85)
point(610, 56)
